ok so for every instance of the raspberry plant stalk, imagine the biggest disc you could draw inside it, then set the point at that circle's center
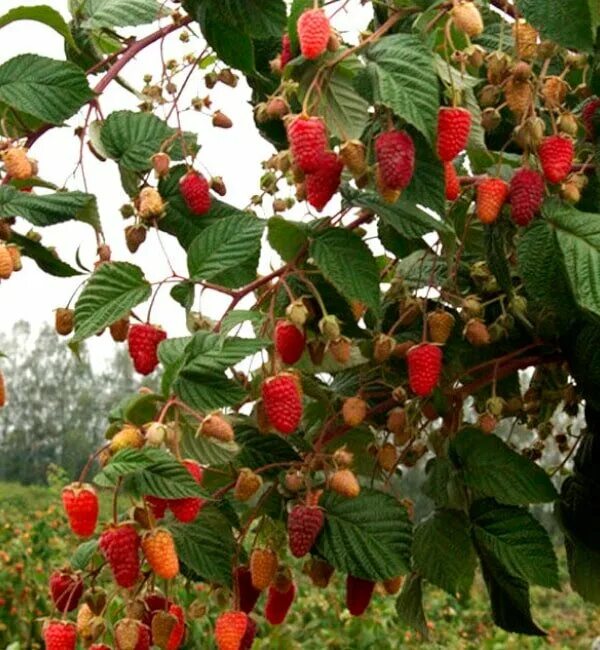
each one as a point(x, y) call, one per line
point(430, 210)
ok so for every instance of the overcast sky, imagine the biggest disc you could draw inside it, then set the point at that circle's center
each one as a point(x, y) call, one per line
point(234, 154)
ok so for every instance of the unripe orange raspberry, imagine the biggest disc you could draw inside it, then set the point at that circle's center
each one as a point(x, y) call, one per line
point(439, 325)
point(64, 321)
point(353, 153)
point(392, 585)
point(15, 255)
point(383, 348)
point(340, 350)
point(344, 482)
point(487, 422)
point(263, 567)
point(6, 263)
point(161, 163)
point(519, 96)
point(17, 164)
point(466, 18)
point(128, 437)
point(525, 37)
point(247, 484)
point(159, 548)
point(354, 411)
point(119, 330)
point(554, 91)
point(216, 426)
point(387, 457)
point(476, 332)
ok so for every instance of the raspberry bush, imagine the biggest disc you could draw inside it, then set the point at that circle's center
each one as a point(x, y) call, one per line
point(440, 311)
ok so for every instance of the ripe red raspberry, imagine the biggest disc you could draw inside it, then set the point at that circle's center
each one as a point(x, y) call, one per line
point(324, 183)
point(178, 631)
point(282, 400)
point(395, 153)
point(304, 525)
point(358, 594)
point(590, 115)
point(453, 129)
point(247, 593)
point(451, 181)
point(186, 510)
point(120, 546)
point(491, 196)
point(424, 368)
point(66, 589)
point(143, 346)
point(289, 341)
point(99, 646)
point(248, 639)
point(60, 635)
point(526, 195)
point(286, 51)
point(195, 191)
point(313, 33)
point(230, 630)
point(556, 156)
point(279, 603)
point(157, 505)
point(308, 141)
point(80, 502)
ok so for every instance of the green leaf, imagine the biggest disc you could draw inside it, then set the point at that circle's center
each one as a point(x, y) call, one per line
point(584, 570)
point(239, 316)
point(49, 209)
point(207, 391)
point(206, 547)
point(42, 14)
point(401, 70)
point(492, 469)
point(50, 90)
point(183, 293)
point(207, 451)
point(119, 13)
point(569, 23)
point(427, 187)
point(443, 552)
point(578, 235)
point(133, 138)
point(208, 352)
point(298, 7)
point(495, 248)
point(258, 18)
point(112, 291)
point(286, 237)
point(83, 555)
point(258, 449)
point(368, 537)
point(224, 246)
point(347, 262)
point(517, 541)
point(409, 605)
point(45, 259)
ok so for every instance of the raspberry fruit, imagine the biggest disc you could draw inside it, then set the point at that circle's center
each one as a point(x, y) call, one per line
point(129, 437)
point(345, 483)
point(286, 51)
point(556, 156)
point(248, 639)
point(392, 585)
point(590, 115)
point(99, 646)
point(467, 19)
point(395, 153)
point(491, 196)
point(120, 546)
point(452, 184)
point(282, 399)
point(313, 33)
point(64, 320)
point(159, 548)
point(526, 195)
point(80, 502)
point(453, 127)
point(17, 164)
point(186, 510)
point(476, 332)
point(195, 191)
point(178, 631)
point(318, 571)
point(358, 594)
point(60, 635)
point(279, 602)
point(216, 426)
point(289, 341)
point(354, 411)
point(247, 593)
point(2, 391)
point(150, 204)
point(308, 141)
point(247, 485)
point(230, 630)
point(387, 457)
point(263, 567)
point(439, 325)
point(119, 330)
point(324, 183)
point(304, 525)
point(143, 346)
point(131, 634)
point(424, 368)
point(66, 589)
point(6, 263)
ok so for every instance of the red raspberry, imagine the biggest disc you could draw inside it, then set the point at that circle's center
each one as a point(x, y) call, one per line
point(60, 635)
point(157, 505)
point(424, 368)
point(526, 195)
point(66, 589)
point(143, 346)
point(120, 546)
point(304, 525)
point(99, 646)
point(590, 116)
point(282, 400)
point(453, 129)
point(131, 634)
point(395, 153)
point(286, 50)
point(153, 603)
point(289, 341)
point(358, 594)
point(186, 510)
point(178, 631)
point(195, 191)
point(491, 196)
point(247, 593)
point(248, 639)
point(80, 502)
point(313, 33)
point(230, 630)
point(324, 183)
point(279, 603)
point(556, 155)
point(451, 181)
point(308, 141)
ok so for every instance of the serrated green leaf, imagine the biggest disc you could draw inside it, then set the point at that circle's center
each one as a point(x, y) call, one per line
point(237, 317)
point(208, 352)
point(401, 70)
point(224, 246)
point(495, 250)
point(427, 186)
point(443, 552)
point(258, 18)
point(409, 605)
point(207, 392)
point(207, 451)
point(45, 259)
point(83, 555)
point(584, 570)
point(258, 449)
point(493, 469)
point(49, 90)
point(42, 14)
point(183, 293)
point(112, 291)
point(119, 13)
point(517, 541)
point(296, 10)
point(286, 237)
point(347, 262)
point(368, 537)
